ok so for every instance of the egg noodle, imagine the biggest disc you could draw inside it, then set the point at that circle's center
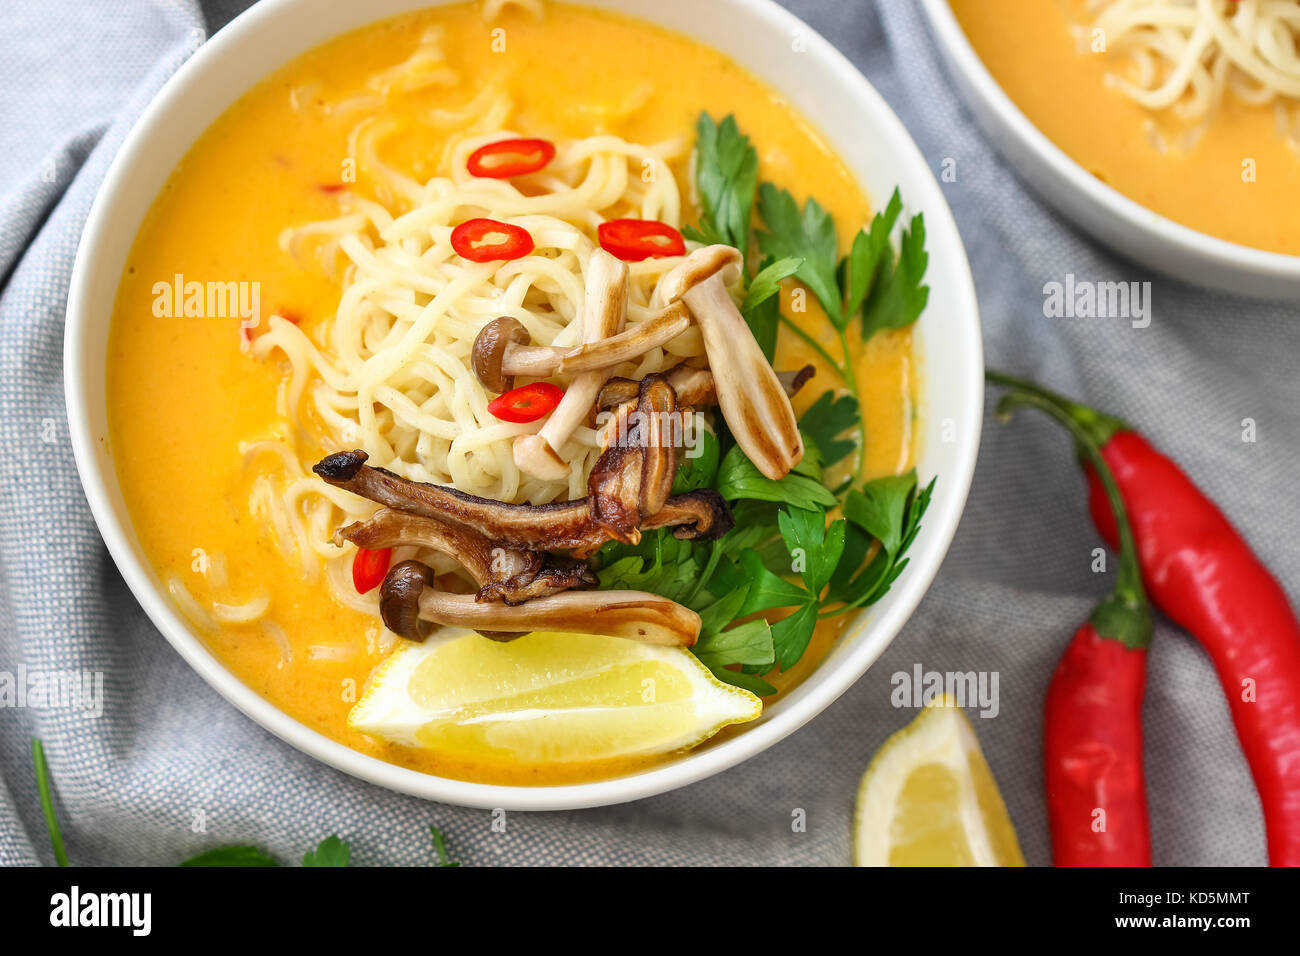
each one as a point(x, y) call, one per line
point(389, 371)
point(1186, 55)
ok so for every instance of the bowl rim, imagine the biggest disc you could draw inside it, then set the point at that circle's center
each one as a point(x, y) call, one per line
point(1160, 229)
point(831, 681)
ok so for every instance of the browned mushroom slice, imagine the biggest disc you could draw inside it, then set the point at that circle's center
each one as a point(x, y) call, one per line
point(410, 605)
point(793, 381)
point(700, 514)
point(633, 476)
point(561, 525)
point(388, 528)
point(557, 574)
point(510, 575)
point(604, 313)
point(751, 398)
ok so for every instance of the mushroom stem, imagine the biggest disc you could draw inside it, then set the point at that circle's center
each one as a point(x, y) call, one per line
point(533, 361)
point(629, 344)
point(409, 604)
point(693, 386)
point(750, 395)
point(751, 398)
point(503, 350)
point(604, 313)
point(635, 615)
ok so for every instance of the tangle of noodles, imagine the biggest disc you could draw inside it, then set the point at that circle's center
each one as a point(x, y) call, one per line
point(1185, 55)
point(389, 371)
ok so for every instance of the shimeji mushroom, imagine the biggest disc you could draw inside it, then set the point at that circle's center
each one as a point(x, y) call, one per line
point(409, 603)
point(503, 349)
point(693, 386)
point(604, 313)
point(750, 394)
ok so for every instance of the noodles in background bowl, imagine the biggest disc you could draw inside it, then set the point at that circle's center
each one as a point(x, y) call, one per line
point(1186, 55)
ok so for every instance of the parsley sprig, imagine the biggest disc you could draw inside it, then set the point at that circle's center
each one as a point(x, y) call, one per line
point(869, 281)
point(801, 551)
point(331, 851)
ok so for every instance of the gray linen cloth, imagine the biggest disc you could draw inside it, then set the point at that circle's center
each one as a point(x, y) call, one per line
point(169, 754)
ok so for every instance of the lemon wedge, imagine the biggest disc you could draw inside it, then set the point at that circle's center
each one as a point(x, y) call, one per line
point(546, 698)
point(929, 799)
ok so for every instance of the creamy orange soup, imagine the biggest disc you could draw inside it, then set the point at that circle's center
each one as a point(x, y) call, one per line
point(182, 395)
point(1030, 48)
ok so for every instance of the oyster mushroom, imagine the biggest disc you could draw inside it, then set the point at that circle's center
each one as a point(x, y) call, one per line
point(509, 575)
point(410, 605)
point(604, 313)
point(750, 395)
point(559, 525)
point(634, 474)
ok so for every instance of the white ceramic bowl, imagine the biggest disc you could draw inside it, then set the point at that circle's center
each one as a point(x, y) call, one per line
point(1110, 216)
point(756, 33)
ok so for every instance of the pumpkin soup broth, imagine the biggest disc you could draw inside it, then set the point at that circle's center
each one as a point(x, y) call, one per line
point(183, 395)
point(1030, 48)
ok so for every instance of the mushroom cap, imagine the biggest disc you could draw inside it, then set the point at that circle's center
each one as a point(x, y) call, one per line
point(699, 266)
point(490, 349)
point(535, 456)
point(399, 599)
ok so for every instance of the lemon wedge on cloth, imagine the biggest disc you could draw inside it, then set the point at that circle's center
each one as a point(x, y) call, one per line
point(929, 799)
point(546, 698)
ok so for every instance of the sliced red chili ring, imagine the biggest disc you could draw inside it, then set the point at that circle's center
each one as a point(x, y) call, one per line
point(633, 240)
point(527, 403)
point(487, 240)
point(369, 568)
point(510, 157)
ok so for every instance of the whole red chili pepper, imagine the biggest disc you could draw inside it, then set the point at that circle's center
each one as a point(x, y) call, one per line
point(1204, 576)
point(1092, 727)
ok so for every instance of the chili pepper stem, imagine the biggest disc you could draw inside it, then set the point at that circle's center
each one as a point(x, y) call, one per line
point(1100, 426)
point(1125, 615)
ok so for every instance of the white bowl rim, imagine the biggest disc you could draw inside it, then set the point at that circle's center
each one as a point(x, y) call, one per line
point(941, 520)
point(1158, 227)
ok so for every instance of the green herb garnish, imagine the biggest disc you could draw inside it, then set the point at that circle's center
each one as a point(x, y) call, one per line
point(231, 856)
point(331, 851)
point(726, 174)
point(440, 847)
point(47, 802)
point(868, 281)
point(787, 552)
